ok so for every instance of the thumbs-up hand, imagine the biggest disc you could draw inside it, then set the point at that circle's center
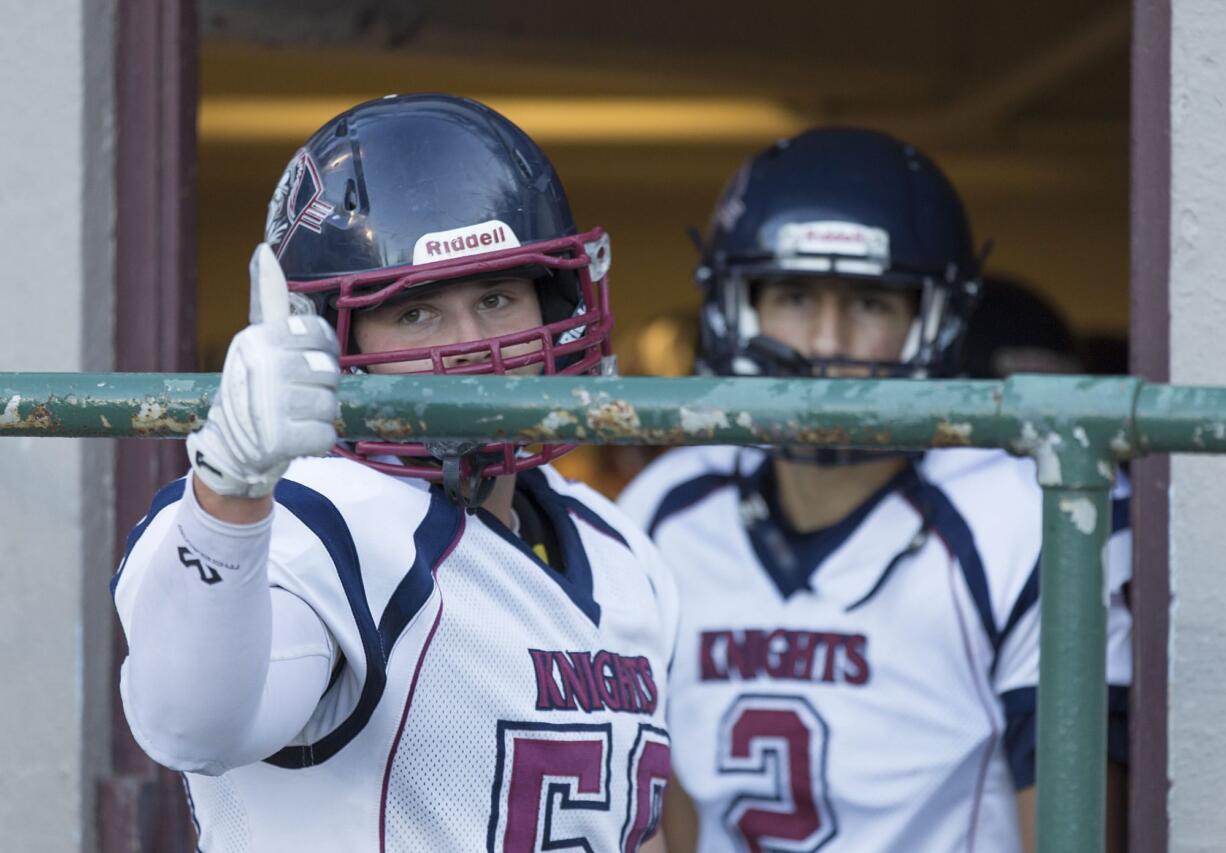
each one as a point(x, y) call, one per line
point(277, 398)
point(269, 292)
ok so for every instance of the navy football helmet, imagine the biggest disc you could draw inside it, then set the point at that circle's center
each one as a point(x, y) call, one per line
point(408, 191)
point(845, 203)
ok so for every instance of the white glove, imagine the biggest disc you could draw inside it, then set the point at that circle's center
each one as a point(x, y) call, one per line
point(277, 398)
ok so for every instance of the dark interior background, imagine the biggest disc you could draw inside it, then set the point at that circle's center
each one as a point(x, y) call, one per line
point(646, 109)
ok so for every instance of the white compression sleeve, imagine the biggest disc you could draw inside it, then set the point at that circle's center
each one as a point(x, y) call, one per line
point(222, 670)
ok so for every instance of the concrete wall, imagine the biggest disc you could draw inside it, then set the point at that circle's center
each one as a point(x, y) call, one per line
point(56, 286)
point(1197, 707)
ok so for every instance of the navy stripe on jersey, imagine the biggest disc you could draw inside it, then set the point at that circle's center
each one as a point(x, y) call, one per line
point(949, 524)
point(574, 557)
point(1021, 730)
point(1029, 595)
point(575, 578)
point(684, 496)
point(169, 494)
point(323, 519)
point(433, 540)
point(585, 513)
point(1119, 514)
point(1021, 726)
point(1026, 599)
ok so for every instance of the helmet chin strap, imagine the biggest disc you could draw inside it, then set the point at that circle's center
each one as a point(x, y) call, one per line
point(775, 353)
point(466, 488)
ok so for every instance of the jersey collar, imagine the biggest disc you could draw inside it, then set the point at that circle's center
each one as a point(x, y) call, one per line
point(789, 557)
point(575, 575)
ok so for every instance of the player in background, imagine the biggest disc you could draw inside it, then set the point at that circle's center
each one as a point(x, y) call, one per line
point(1015, 329)
point(402, 646)
point(857, 663)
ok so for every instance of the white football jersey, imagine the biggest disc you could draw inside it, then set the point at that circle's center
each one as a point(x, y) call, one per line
point(871, 686)
point(481, 700)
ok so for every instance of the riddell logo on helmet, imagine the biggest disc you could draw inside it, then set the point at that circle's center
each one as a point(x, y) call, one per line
point(834, 238)
point(491, 236)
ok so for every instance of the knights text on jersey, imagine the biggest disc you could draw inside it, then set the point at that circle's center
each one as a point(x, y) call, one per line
point(484, 701)
point(870, 686)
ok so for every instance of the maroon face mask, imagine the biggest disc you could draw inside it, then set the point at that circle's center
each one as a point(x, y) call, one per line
point(575, 344)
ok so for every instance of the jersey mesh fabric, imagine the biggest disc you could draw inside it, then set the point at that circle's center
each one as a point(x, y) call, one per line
point(462, 758)
point(227, 830)
point(497, 604)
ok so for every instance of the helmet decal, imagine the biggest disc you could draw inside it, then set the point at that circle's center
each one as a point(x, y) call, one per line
point(296, 201)
point(731, 204)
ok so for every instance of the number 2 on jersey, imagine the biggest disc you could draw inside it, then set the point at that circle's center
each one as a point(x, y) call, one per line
point(778, 744)
point(549, 772)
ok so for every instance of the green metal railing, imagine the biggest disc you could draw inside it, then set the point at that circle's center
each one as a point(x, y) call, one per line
point(1076, 428)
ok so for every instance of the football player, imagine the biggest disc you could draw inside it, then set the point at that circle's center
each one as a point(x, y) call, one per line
point(410, 645)
point(858, 654)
